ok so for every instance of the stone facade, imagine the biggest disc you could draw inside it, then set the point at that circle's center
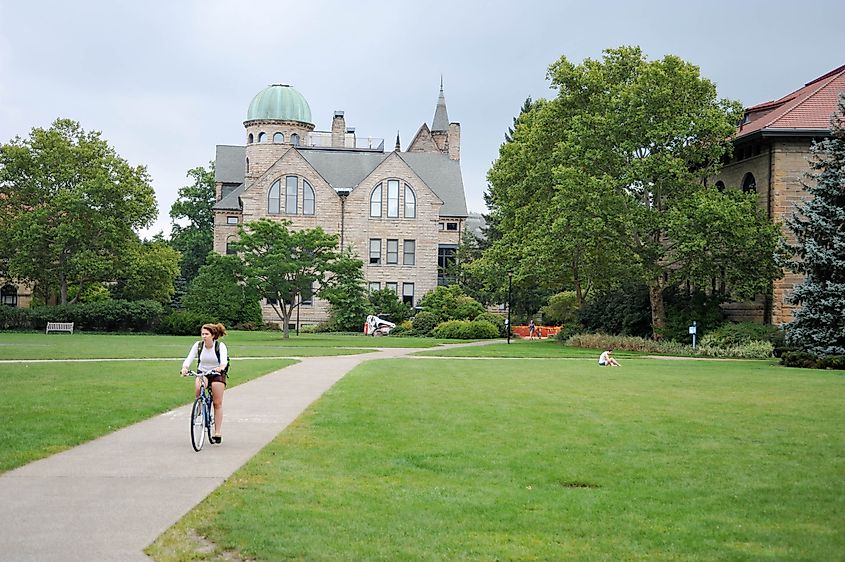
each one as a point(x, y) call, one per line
point(399, 252)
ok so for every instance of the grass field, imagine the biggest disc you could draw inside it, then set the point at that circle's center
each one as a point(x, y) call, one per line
point(438, 459)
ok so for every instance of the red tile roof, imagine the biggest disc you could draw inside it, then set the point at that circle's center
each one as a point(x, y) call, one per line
point(806, 109)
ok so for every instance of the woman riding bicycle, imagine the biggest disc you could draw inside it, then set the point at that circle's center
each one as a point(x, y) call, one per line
point(213, 357)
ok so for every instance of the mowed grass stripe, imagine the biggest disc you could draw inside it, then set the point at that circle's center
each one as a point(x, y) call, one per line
point(544, 460)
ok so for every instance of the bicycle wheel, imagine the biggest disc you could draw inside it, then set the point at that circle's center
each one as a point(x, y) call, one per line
point(197, 425)
point(210, 420)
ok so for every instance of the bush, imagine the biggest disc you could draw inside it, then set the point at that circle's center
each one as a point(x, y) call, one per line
point(102, 316)
point(424, 322)
point(569, 330)
point(625, 311)
point(682, 309)
point(496, 319)
point(743, 332)
point(450, 303)
point(184, 323)
point(804, 360)
point(562, 309)
point(750, 350)
point(465, 330)
point(746, 350)
point(386, 304)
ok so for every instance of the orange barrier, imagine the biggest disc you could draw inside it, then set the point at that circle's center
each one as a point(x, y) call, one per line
point(544, 331)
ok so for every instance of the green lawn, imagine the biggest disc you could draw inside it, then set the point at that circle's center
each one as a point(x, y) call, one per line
point(47, 407)
point(519, 348)
point(423, 459)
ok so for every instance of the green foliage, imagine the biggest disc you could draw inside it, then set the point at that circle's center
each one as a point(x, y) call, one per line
point(746, 350)
point(184, 323)
point(682, 309)
point(624, 311)
point(69, 206)
point(216, 293)
point(804, 360)
point(496, 319)
point(424, 323)
point(386, 304)
point(465, 330)
point(281, 264)
point(347, 294)
point(97, 316)
point(451, 303)
point(562, 309)
point(148, 272)
point(742, 332)
point(818, 326)
point(192, 221)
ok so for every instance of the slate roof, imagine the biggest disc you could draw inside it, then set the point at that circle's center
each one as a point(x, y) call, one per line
point(806, 110)
point(346, 169)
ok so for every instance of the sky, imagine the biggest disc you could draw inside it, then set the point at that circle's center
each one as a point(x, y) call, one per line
point(167, 81)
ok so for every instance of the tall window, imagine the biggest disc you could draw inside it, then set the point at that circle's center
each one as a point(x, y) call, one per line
point(290, 194)
point(307, 198)
point(273, 198)
point(375, 251)
point(393, 251)
point(294, 139)
point(392, 286)
point(749, 184)
point(375, 202)
point(410, 203)
point(249, 139)
point(262, 137)
point(374, 286)
point(279, 137)
point(306, 298)
point(9, 295)
point(446, 257)
point(408, 293)
point(408, 256)
point(230, 250)
point(392, 198)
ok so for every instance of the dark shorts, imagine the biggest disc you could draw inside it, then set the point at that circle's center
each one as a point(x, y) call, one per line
point(216, 377)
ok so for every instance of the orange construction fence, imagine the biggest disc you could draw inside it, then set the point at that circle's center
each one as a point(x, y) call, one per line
point(543, 331)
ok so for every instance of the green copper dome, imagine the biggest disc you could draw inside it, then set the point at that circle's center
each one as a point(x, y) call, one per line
point(281, 102)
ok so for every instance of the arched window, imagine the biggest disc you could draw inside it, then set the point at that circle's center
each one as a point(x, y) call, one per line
point(720, 185)
point(294, 139)
point(262, 137)
point(392, 198)
point(279, 137)
point(247, 165)
point(290, 194)
point(273, 198)
point(375, 202)
point(249, 139)
point(230, 250)
point(9, 295)
point(749, 183)
point(410, 203)
point(307, 198)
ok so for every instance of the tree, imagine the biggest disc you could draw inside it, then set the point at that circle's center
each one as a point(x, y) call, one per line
point(387, 304)
point(280, 264)
point(192, 220)
point(147, 272)
point(347, 294)
point(216, 292)
point(819, 248)
point(69, 208)
point(603, 174)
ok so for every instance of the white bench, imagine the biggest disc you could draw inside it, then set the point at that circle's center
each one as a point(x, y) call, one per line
point(59, 327)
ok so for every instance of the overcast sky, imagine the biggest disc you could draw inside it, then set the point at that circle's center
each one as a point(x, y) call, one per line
point(166, 81)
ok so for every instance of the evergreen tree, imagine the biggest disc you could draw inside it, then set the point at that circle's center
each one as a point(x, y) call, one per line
point(819, 249)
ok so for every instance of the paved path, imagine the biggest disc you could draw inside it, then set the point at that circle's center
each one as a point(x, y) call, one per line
point(110, 498)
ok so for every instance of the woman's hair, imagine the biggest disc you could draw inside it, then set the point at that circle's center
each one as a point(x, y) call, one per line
point(217, 330)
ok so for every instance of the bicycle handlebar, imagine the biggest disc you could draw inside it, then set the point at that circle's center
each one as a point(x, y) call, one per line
point(200, 373)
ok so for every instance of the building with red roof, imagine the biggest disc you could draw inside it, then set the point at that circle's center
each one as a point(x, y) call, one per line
point(771, 152)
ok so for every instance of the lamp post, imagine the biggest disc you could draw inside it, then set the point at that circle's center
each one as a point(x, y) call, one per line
point(510, 279)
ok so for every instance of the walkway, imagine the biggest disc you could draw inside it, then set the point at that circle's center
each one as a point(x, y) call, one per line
point(110, 498)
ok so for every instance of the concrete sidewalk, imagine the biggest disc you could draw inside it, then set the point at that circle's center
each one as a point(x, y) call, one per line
point(110, 498)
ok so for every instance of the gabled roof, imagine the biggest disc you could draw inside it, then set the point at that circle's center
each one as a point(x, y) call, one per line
point(806, 110)
point(346, 169)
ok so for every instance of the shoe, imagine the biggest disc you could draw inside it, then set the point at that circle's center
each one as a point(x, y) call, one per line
point(217, 439)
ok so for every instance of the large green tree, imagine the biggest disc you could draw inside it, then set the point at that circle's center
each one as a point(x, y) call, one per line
point(281, 264)
point(346, 293)
point(217, 292)
point(147, 272)
point(819, 248)
point(69, 208)
point(192, 226)
point(606, 173)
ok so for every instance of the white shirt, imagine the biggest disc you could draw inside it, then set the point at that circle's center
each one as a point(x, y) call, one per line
point(603, 358)
point(208, 359)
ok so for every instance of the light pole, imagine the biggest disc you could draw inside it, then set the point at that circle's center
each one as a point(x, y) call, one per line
point(510, 279)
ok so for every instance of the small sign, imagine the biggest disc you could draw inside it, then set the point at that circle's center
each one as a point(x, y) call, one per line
point(692, 329)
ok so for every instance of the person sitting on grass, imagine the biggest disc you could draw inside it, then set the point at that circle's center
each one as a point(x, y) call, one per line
point(606, 358)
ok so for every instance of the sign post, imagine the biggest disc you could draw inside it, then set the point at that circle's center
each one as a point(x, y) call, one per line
point(692, 330)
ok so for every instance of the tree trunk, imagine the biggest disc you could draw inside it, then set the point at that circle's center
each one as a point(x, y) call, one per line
point(658, 310)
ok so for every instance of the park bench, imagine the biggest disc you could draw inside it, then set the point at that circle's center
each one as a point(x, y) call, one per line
point(59, 327)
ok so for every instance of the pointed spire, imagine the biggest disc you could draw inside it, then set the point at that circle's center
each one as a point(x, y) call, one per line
point(441, 117)
point(398, 147)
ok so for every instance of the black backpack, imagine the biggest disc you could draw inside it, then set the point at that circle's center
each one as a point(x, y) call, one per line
point(224, 370)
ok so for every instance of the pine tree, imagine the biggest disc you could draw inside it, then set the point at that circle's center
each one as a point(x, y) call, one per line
point(819, 251)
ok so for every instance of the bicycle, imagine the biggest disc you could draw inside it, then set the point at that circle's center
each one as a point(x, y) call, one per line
point(202, 413)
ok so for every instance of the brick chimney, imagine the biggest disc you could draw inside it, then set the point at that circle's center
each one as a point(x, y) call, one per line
point(454, 141)
point(338, 130)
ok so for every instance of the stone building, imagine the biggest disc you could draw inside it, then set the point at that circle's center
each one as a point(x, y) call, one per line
point(401, 212)
point(771, 151)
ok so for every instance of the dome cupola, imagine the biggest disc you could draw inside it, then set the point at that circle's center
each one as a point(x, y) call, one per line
point(279, 102)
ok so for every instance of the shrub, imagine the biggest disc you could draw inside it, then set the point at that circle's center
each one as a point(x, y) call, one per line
point(451, 303)
point(682, 309)
point(104, 316)
point(749, 350)
point(184, 323)
point(496, 319)
point(386, 304)
point(465, 330)
point(562, 309)
point(569, 330)
point(746, 350)
point(624, 311)
point(804, 360)
point(424, 322)
point(742, 332)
